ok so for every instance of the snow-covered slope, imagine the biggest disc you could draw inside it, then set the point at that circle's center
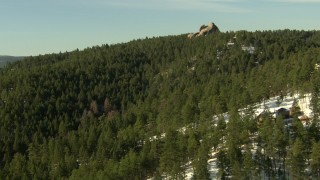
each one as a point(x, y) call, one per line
point(272, 105)
point(275, 103)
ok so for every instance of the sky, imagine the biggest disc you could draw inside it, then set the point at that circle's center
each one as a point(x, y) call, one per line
point(33, 27)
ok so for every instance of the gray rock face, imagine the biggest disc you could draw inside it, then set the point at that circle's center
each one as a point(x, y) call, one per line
point(205, 30)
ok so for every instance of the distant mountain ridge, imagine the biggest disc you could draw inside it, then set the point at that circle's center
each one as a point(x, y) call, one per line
point(5, 59)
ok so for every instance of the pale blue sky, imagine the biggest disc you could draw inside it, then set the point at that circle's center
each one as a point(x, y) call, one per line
point(33, 27)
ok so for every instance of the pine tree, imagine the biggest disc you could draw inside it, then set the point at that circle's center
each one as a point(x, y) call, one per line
point(223, 164)
point(129, 167)
point(18, 167)
point(267, 145)
point(281, 142)
point(297, 159)
point(315, 95)
point(193, 145)
point(315, 160)
point(200, 163)
point(248, 165)
point(171, 159)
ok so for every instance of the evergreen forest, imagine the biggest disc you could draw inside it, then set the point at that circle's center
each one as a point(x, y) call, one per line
point(116, 111)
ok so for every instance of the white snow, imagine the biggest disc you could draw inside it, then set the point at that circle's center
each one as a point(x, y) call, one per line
point(304, 104)
point(271, 105)
point(213, 169)
point(275, 103)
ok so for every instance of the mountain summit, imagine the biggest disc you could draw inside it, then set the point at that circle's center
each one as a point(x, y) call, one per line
point(205, 30)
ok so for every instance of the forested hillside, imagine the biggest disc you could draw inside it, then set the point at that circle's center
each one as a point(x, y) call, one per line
point(101, 113)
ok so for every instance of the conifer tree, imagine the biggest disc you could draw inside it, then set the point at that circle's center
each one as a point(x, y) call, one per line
point(297, 160)
point(315, 160)
point(200, 163)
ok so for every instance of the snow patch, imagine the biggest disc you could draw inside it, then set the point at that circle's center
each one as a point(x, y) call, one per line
point(272, 105)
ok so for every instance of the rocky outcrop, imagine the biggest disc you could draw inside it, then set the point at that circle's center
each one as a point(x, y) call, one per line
point(205, 30)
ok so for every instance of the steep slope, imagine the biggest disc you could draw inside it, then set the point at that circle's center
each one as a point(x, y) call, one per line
point(271, 105)
point(90, 114)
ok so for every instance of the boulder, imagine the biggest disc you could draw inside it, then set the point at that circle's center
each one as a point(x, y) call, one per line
point(205, 30)
point(212, 28)
point(202, 27)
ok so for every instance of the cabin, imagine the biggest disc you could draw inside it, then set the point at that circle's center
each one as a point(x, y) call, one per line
point(283, 113)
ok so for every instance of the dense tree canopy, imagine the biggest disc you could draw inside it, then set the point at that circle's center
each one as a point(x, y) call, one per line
point(103, 112)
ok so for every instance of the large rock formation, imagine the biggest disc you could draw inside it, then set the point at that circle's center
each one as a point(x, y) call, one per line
point(205, 30)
